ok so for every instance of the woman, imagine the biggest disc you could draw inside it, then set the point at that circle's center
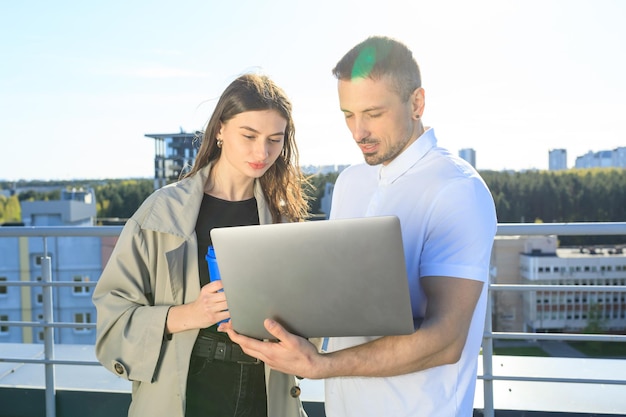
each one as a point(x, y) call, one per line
point(157, 309)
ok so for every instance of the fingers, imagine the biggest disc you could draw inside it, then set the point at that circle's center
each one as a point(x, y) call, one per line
point(213, 286)
point(276, 330)
point(249, 345)
point(211, 304)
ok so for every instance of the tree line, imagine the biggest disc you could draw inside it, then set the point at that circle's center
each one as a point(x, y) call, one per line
point(577, 195)
point(589, 195)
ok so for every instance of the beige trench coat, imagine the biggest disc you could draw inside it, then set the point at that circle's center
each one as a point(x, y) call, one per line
point(155, 265)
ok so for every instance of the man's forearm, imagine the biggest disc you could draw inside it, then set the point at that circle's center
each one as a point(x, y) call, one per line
point(388, 356)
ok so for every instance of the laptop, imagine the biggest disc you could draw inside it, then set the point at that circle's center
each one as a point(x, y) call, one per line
point(324, 278)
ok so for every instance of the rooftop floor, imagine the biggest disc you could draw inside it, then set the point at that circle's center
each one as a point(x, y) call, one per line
point(93, 384)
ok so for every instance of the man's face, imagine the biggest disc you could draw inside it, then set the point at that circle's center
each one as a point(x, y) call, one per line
point(382, 123)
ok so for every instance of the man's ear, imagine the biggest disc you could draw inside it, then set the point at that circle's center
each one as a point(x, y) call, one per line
point(418, 102)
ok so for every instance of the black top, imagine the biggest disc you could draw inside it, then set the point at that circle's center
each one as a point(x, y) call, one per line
point(215, 212)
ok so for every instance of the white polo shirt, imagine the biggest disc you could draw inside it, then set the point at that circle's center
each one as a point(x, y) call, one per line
point(448, 225)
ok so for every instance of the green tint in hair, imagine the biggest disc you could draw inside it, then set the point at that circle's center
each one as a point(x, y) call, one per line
point(381, 56)
point(366, 59)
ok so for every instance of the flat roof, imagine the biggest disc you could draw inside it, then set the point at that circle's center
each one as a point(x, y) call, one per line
point(180, 135)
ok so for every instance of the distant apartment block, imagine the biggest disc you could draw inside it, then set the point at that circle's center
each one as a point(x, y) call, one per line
point(557, 159)
point(469, 155)
point(615, 158)
point(174, 154)
point(73, 259)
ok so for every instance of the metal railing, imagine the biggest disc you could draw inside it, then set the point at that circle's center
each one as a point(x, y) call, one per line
point(488, 377)
point(542, 229)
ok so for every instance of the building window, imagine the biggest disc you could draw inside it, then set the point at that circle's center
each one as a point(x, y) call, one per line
point(81, 290)
point(37, 259)
point(3, 288)
point(4, 329)
point(82, 318)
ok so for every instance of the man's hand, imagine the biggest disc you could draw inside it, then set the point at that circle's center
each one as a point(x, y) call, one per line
point(291, 354)
point(439, 340)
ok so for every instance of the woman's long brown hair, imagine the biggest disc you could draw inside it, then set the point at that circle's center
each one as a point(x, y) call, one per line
point(283, 182)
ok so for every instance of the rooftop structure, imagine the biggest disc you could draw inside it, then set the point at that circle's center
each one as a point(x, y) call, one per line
point(174, 154)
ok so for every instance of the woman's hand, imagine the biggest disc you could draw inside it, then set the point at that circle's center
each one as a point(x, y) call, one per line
point(208, 309)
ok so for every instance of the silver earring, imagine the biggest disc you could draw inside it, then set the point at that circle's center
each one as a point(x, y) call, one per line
point(220, 142)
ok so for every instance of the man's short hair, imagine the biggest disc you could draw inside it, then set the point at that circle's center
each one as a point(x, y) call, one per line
point(378, 57)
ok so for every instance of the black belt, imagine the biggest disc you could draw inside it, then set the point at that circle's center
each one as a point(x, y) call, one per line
point(212, 348)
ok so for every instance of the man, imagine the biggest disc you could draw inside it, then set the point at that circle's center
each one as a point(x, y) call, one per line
point(448, 225)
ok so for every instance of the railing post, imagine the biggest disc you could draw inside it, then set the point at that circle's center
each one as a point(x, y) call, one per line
point(48, 336)
point(488, 410)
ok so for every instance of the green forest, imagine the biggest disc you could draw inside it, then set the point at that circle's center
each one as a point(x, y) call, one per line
point(520, 197)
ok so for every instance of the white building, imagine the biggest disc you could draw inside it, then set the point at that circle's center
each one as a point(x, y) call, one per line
point(544, 311)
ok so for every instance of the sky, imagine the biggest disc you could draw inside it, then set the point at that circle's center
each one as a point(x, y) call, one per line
point(82, 82)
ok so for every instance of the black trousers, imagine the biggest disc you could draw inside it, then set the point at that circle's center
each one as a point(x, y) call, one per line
point(225, 389)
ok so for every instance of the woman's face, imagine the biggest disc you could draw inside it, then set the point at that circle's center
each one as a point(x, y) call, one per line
point(252, 141)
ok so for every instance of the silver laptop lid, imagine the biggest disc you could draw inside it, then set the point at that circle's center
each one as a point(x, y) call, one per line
point(322, 278)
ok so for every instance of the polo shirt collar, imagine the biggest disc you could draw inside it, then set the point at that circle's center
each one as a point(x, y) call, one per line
point(407, 159)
